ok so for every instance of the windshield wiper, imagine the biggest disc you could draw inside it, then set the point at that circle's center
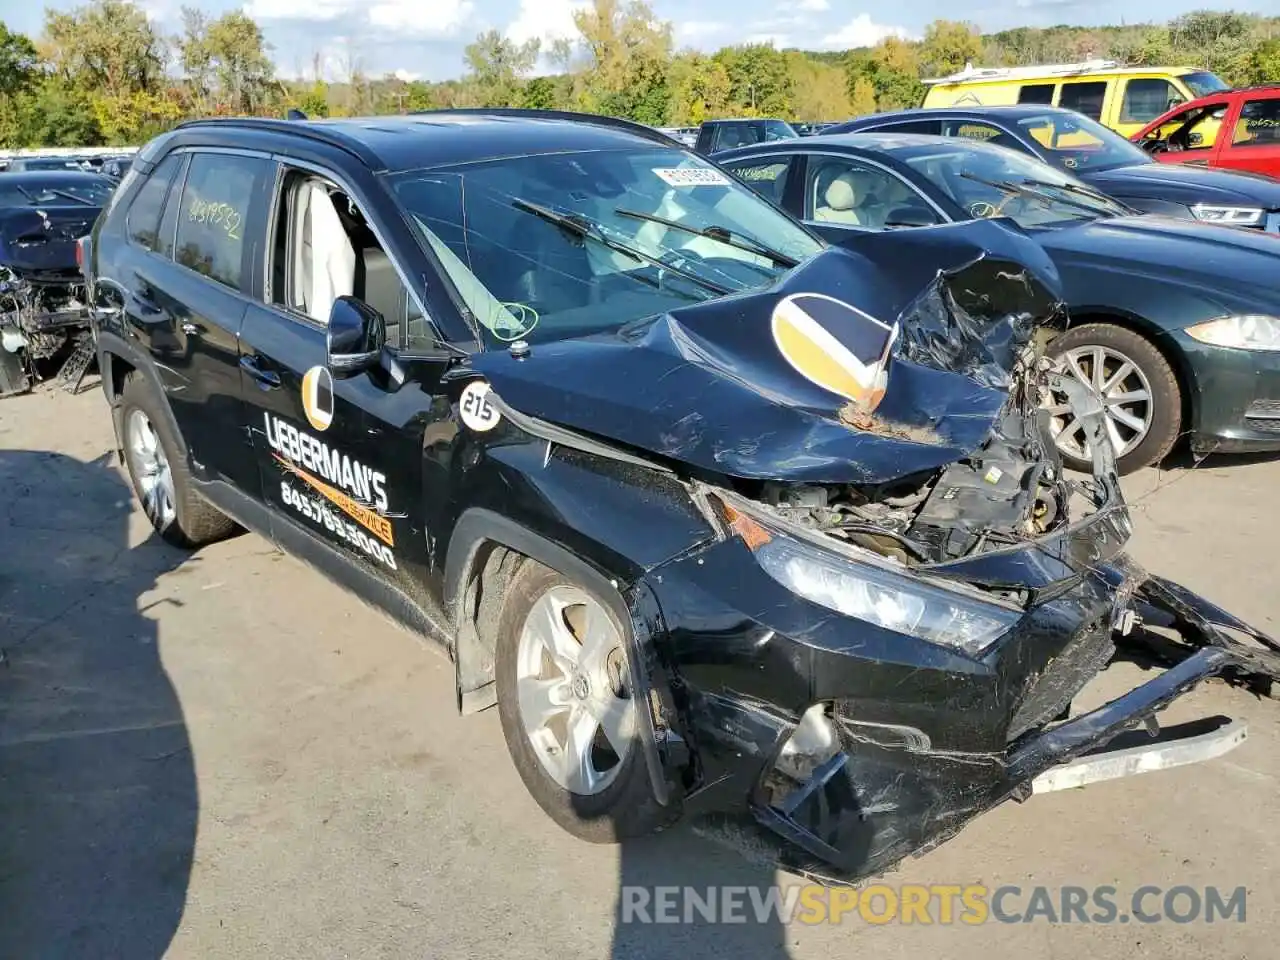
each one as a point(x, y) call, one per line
point(1082, 190)
point(1028, 189)
point(717, 233)
point(72, 196)
point(580, 226)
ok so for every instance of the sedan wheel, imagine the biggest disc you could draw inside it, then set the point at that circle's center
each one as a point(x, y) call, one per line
point(1126, 398)
point(1140, 395)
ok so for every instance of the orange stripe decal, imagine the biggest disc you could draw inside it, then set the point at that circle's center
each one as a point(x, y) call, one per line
point(370, 519)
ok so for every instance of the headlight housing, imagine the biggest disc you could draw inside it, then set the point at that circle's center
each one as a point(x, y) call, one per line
point(1232, 216)
point(874, 593)
point(1250, 331)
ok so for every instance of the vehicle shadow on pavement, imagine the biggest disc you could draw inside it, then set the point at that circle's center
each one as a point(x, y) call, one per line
point(670, 882)
point(98, 794)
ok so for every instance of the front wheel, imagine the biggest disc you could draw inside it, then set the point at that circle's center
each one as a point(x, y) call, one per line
point(1138, 389)
point(567, 711)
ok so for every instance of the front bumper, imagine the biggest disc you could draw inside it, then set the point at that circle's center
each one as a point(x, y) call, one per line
point(1235, 399)
point(923, 739)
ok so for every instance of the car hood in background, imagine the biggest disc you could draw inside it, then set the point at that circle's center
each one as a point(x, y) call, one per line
point(1222, 262)
point(707, 385)
point(1189, 185)
point(43, 239)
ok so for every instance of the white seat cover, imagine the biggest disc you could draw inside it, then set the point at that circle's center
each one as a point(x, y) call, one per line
point(326, 267)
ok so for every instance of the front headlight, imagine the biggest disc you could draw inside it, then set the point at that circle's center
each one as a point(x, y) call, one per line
point(1251, 331)
point(878, 595)
point(1233, 216)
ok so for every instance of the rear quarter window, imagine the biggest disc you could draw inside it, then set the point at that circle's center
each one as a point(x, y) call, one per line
point(142, 222)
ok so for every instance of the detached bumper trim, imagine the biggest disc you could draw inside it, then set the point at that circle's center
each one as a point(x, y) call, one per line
point(1127, 761)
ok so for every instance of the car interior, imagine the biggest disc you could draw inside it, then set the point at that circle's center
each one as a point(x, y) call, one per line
point(842, 193)
point(325, 249)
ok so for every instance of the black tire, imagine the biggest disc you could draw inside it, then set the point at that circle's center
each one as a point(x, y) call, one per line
point(624, 809)
point(1166, 395)
point(196, 521)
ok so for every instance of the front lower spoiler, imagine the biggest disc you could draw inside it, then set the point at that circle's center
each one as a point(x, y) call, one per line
point(831, 830)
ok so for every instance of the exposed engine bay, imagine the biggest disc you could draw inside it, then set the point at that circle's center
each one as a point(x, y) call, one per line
point(43, 316)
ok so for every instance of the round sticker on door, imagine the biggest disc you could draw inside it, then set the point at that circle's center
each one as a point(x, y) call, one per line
point(317, 397)
point(475, 409)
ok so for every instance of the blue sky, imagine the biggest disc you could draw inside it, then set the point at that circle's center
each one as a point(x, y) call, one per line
point(425, 38)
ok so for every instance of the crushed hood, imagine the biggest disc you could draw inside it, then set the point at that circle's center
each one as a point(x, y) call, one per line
point(708, 386)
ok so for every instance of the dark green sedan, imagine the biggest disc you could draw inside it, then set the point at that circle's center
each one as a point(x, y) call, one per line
point(1175, 324)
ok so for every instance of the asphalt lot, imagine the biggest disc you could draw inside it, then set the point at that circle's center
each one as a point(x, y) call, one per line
point(223, 755)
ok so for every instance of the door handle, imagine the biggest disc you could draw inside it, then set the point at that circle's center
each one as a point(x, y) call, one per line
point(266, 379)
point(192, 329)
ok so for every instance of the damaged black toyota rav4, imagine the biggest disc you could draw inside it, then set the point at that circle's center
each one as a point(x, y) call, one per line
point(723, 520)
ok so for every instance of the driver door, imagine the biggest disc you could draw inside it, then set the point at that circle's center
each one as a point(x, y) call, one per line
point(1188, 136)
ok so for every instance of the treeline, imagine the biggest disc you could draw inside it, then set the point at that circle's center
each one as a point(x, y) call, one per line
point(102, 74)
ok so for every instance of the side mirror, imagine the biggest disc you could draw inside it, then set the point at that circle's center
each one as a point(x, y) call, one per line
point(1174, 101)
point(910, 217)
point(355, 336)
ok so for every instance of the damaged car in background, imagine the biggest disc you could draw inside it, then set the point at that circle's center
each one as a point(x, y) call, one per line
point(44, 312)
point(728, 523)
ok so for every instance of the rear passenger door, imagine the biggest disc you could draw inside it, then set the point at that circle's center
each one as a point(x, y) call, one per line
point(185, 270)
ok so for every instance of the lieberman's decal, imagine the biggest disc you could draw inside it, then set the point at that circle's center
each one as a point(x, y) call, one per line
point(340, 480)
point(337, 468)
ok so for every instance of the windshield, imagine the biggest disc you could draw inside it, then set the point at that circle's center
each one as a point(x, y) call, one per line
point(563, 245)
point(1202, 83)
point(990, 181)
point(29, 194)
point(1075, 142)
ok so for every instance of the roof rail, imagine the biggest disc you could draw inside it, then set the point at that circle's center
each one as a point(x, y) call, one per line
point(632, 126)
point(971, 73)
point(328, 134)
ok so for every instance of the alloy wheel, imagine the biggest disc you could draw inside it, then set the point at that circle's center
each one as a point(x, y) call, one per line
point(574, 703)
point(151, 470)
point(1126, 400)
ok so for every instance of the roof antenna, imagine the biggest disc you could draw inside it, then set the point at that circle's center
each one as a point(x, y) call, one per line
point(295, 114)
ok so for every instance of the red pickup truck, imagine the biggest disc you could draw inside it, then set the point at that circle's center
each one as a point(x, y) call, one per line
point(1234, 129)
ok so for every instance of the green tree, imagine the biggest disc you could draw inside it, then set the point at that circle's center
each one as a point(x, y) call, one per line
point(18, 62)
point(820, 91)
point(699, 89)
point(497, 66)
point(56, 114)
point(107, 46)
point(234, 53)
point(627, 52)
point(1264, 62)
point(892, 72)
point(948, 46)
point(760, 83)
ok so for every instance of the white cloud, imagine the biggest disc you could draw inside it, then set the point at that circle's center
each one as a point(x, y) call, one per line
point(545, 20)
point(407, 76)
point(440, 17)
point(404, 16)
point(698, 29)
point(814, 6)
point(862, 32)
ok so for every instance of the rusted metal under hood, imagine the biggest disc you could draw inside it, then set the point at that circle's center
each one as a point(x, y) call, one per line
point(709, 385)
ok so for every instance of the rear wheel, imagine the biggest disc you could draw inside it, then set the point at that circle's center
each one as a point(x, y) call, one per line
point(159, 473)
point(567, 713)
point(1139, 392)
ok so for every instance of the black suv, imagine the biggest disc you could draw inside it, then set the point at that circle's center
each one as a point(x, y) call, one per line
point(721, 518)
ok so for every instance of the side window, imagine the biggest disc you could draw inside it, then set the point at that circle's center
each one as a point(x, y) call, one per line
point(1146, 98)
point(1084, 97)
point(1259, 124)
point(730, 135)
point(143, 219)
point(975, 130)
point(324, 249)
point(766, 176)
point(932, 127)
point(1195, 129)
point(214, 214)
point(1036, 93)
point(847, 192)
